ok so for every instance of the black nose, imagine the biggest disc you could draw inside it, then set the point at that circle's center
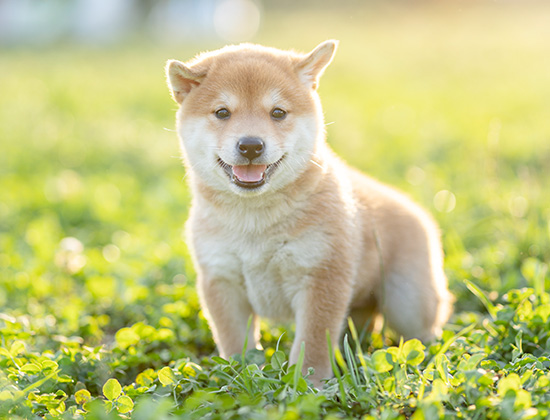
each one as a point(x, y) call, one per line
point(250, 147)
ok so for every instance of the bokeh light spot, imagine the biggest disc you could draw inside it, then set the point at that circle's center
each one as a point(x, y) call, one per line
point(444, 201)
point(415, 175)
point(236, 20)
point(111, 253)
point(518, 206)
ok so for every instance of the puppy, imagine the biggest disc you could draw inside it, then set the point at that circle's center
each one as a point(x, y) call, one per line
point(279, 226)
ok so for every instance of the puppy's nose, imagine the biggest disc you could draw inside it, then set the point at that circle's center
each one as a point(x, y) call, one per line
point(250, 147)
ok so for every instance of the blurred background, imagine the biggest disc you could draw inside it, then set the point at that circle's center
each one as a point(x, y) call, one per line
point(447, 100)
point(103, 22)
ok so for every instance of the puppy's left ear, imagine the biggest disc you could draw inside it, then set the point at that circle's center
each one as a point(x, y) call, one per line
point(311, 67)
point(181, 79)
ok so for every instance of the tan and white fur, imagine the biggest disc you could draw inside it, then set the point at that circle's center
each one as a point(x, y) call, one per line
point(284, 229)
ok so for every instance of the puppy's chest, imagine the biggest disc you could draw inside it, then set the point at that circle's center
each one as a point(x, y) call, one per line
point(274, 275)
point(273, 270)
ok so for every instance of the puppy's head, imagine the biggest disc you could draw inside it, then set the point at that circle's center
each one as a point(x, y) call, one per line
point(249, 118)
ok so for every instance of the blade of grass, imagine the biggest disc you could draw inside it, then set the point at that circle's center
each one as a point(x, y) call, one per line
point(481, 296)
point(358, 349)
point(245, 346)
point(299, 364)
point(279, 341)
point(350, 360)
point(336, 370)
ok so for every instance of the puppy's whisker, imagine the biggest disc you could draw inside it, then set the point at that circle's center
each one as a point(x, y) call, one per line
point(286, 165)
point(192, 167)
point(317, 164)
point(187, 172)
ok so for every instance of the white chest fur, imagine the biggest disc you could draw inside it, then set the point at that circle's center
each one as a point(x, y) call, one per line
point(271, 269)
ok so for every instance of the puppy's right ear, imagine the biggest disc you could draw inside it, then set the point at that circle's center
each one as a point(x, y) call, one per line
point(181, 79)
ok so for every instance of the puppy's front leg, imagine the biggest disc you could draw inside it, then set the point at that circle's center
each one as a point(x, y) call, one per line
point(319, 308)
point(227, 310)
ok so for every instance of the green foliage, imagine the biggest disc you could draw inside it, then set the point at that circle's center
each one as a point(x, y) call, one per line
point(99, 317)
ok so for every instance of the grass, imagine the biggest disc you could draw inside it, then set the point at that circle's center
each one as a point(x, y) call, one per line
point(99, 316)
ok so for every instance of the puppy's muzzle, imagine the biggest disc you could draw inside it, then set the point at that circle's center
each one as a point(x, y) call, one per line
point(250, 175)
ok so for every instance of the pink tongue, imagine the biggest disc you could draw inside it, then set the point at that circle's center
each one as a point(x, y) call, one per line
point(249, 173)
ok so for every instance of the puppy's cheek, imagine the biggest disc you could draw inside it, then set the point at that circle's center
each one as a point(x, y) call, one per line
point(196, 138)
point(199, 145)
point(300, 142)
point(308, 131)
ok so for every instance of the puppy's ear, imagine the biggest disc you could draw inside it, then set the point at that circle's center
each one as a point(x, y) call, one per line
point(181, 79)
point(311, 67)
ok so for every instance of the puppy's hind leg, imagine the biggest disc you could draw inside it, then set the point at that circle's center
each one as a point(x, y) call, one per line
point(416, 304)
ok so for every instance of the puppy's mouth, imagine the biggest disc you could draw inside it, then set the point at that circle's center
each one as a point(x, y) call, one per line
point(249, 176)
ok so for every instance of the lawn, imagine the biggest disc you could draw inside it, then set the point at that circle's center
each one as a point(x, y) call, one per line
point(99, 317)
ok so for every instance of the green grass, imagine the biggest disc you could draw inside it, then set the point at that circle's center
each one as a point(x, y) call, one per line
point(107, 324)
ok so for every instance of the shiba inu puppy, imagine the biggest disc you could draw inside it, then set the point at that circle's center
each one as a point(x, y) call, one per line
point(279, 226)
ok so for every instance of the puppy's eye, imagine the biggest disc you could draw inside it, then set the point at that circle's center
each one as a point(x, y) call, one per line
point(222, 114)
point(278, 114)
